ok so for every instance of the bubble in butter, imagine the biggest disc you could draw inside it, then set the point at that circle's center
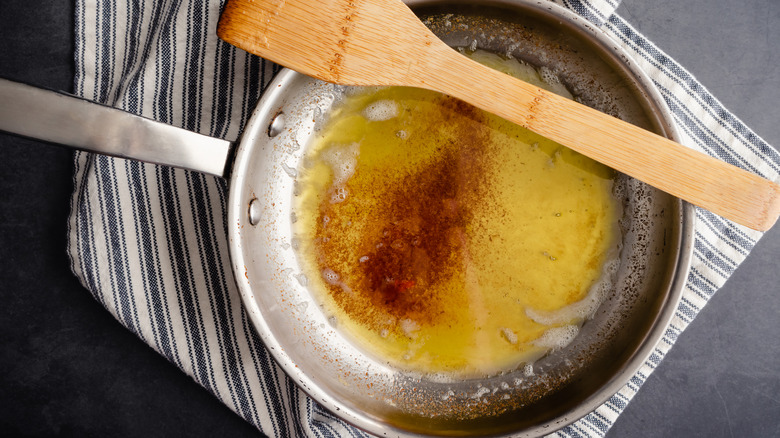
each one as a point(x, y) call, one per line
point(446, 240)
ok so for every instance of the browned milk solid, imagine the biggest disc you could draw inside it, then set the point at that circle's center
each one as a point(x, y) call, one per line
point(442, 239)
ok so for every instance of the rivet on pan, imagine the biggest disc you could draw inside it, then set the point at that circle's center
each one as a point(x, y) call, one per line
point(254, 211)
point(277, 124)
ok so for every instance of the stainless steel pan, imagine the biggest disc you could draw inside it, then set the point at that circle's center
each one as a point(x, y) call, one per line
point(565, 385)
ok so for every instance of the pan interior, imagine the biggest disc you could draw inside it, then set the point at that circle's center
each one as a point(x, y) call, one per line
point(564, 385)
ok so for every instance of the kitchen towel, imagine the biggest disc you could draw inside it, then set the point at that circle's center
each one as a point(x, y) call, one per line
point(150, 242)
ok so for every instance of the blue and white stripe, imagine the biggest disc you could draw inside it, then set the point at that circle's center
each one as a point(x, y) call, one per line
point(150, 242)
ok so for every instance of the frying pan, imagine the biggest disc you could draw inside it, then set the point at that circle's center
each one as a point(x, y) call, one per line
point(565, 385)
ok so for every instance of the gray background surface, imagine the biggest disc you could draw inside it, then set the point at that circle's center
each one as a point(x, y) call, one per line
point(722, 378)
point(68, 368)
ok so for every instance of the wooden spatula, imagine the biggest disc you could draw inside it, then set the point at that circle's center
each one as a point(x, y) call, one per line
point(381, 42)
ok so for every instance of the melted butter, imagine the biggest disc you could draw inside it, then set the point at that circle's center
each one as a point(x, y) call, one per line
point(437, 234)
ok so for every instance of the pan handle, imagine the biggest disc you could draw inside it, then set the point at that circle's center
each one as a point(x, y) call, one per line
point(85, 125)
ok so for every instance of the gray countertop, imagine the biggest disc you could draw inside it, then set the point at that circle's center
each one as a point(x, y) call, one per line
point(722, 378)
point(68, 368)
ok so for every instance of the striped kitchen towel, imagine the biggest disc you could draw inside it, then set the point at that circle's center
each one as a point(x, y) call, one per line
point(150, 242)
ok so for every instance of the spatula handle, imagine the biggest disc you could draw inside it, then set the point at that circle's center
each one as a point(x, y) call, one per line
point(724, 189)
